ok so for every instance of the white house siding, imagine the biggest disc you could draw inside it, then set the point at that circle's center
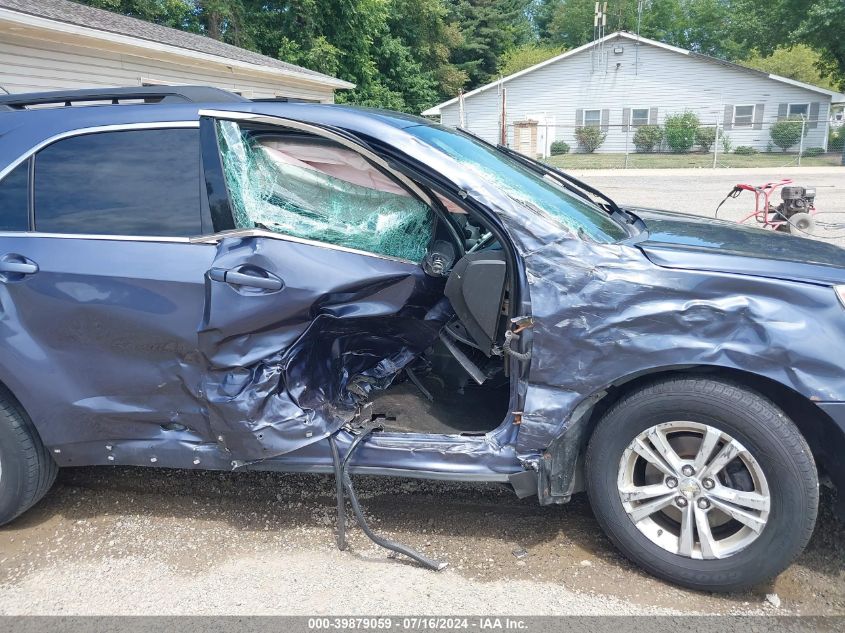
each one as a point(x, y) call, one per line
point(667, 80)
point(29, 63)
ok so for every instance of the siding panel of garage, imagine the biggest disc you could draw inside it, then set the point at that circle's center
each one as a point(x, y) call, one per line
point(30, 64)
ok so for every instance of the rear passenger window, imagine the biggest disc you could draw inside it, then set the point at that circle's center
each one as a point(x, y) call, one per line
point(137, 182)
point(13, 199)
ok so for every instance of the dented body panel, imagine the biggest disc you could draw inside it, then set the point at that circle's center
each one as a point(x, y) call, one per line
point(120, 361)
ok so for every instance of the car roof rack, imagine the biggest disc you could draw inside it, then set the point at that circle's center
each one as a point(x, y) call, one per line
point(148, 94)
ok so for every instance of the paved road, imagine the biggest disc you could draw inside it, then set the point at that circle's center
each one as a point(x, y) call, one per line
point(699, 191)
point(151, 541)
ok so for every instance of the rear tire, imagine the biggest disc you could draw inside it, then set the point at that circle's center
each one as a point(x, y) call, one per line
point(27, 470)
point(699, 537)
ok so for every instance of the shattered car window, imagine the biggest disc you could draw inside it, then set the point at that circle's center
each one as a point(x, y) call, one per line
point(320, 191)
point(523, 185)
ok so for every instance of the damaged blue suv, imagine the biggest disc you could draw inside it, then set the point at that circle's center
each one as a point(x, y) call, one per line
point(192, 280)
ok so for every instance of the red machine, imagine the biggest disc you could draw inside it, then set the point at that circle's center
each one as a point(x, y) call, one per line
point(794, 214)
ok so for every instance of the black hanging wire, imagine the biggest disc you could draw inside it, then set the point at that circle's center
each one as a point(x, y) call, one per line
point(343, 484)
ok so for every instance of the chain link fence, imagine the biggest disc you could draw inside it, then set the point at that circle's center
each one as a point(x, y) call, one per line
point(779, 143)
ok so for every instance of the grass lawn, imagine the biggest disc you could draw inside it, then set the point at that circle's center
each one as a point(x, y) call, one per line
point(657, 161)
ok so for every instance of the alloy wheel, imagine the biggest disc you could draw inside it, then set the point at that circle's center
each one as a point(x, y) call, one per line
point(693, 490)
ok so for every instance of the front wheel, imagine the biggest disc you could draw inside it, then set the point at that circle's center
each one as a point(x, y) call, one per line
point(703, 483)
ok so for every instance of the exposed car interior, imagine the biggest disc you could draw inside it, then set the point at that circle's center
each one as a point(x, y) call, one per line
point(313, 188)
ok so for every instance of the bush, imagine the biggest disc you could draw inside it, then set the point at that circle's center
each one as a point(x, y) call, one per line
point(745, 150)
point(705, 137)
point(813, 151)
point(589, 138)
point(680, 131)
point(648, 137)
point(559, 147)
point(727, 143)
point(836, 140)
point(787, 133)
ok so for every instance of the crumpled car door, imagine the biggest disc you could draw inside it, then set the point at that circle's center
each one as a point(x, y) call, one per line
point(294, 331)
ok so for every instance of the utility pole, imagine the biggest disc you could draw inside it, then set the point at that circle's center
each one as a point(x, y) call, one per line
point(637, 45)
point(503, 137)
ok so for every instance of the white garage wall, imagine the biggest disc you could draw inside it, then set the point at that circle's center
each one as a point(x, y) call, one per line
point(35, 64)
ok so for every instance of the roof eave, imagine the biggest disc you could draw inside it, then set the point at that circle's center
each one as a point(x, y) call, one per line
point(434, 110)
point(37, 22)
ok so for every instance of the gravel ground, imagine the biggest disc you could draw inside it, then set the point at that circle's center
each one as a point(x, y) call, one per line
point(141, 541)
point(145, 541)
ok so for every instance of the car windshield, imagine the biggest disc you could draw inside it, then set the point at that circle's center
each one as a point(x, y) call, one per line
point(523, 184)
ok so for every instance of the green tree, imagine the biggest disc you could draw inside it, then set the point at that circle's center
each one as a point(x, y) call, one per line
point(488, 28)
point(817, 23)
point(425, 27)
point(825, 27)
point(525, 56)
point(177, 14)
point(700, 25)
point(799, 62)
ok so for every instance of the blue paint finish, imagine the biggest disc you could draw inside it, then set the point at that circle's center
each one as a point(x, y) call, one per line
point(130, 345)
point(836, 411)
point(280, 362)
point(101, 342)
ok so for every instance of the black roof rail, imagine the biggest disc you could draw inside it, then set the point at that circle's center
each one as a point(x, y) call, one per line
point(150, 94)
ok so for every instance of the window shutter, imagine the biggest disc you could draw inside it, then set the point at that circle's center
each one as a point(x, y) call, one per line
point(652, 116)
point(605, 120)
point(783, 110)
point(813, 122)
point(728, 122)
point(626, 118)
point(758, 115)
point(579, 117)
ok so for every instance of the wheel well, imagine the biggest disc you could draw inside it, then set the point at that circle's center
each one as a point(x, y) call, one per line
point(825, 438)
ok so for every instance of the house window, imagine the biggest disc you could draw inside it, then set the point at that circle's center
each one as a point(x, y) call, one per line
point(592, 118)
point(799, 110)
point(639, 116)
point(743, 115)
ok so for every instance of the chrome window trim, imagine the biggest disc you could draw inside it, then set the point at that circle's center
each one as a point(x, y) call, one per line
point(117, 127)
point(215, 238)
point(95, 236)
point(211, 239)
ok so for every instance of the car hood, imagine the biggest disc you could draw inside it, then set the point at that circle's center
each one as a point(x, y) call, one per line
point(678, 240)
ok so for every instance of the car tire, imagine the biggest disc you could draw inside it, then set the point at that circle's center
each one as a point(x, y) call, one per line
point(27, 470)
point(772, 477)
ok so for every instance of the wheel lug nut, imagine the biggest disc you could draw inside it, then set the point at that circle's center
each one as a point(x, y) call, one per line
point(708, 483)
point(681, 502)
point(671, 482)
point(703, 504)
point(688, 470)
